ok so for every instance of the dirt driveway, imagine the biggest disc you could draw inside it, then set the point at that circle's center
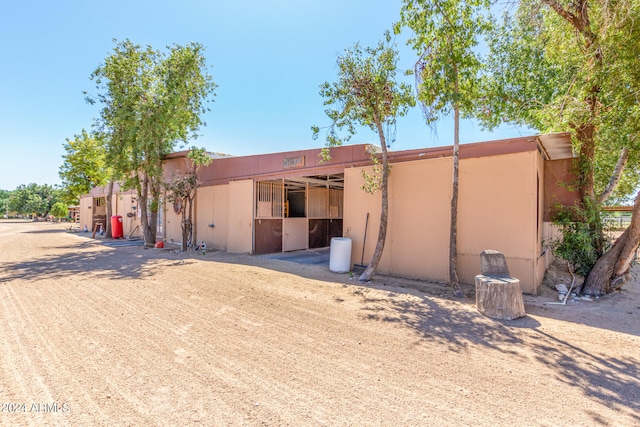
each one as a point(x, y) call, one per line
point(97, 335)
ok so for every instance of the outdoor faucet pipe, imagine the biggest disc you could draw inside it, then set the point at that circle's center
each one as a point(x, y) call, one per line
point(573, 281)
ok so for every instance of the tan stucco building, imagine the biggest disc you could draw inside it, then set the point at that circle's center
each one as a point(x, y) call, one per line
point(289, 201)
point(502, 205)
point(93, 210)
point(268, 203)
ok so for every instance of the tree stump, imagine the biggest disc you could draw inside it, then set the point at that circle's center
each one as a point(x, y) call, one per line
point(498, 295)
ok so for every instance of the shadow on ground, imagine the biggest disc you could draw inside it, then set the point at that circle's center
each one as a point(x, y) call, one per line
point(614, 380)
point(85, 257)
point(52, 231)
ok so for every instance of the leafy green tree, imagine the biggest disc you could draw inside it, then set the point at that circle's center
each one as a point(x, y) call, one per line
point(445, 33)
point(33, 200)
point(4, 201)
point(59, 210)
point(84, 166)
point(557, 65)
point(366, 94)
point(182, 191)
point(152, 101)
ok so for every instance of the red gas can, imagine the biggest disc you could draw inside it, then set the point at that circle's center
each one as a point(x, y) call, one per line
point(116, 227)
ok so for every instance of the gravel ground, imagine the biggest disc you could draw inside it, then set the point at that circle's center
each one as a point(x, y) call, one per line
point(101, 335)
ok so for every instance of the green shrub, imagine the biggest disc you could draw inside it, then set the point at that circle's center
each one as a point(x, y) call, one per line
point(582, 239)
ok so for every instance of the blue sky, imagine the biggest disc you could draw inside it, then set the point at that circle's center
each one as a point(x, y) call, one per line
point(268, 58)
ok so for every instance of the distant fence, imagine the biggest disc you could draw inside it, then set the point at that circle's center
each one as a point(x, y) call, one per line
point(617, 222)
point(617, 217)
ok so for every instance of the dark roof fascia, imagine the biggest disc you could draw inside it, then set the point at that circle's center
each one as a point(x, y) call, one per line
point(254, 165)
point(469, 150)
point(269, 166)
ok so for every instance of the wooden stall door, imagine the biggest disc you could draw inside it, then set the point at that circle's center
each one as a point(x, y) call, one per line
point(295, 234)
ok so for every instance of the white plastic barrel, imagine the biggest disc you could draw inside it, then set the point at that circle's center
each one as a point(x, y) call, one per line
point(340, 255)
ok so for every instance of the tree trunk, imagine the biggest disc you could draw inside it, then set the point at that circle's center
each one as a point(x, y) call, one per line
point(384, 212)
point(190, 220)
point(187, 223)
point(153, 213)
point(585, 134)
point(453, 227)
point(148, 229)
point(109, 207)
point(192, 216)
point(499, 297)
point(615, 176)
point(612, 269)
point(185, 227)
point(585, 164)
